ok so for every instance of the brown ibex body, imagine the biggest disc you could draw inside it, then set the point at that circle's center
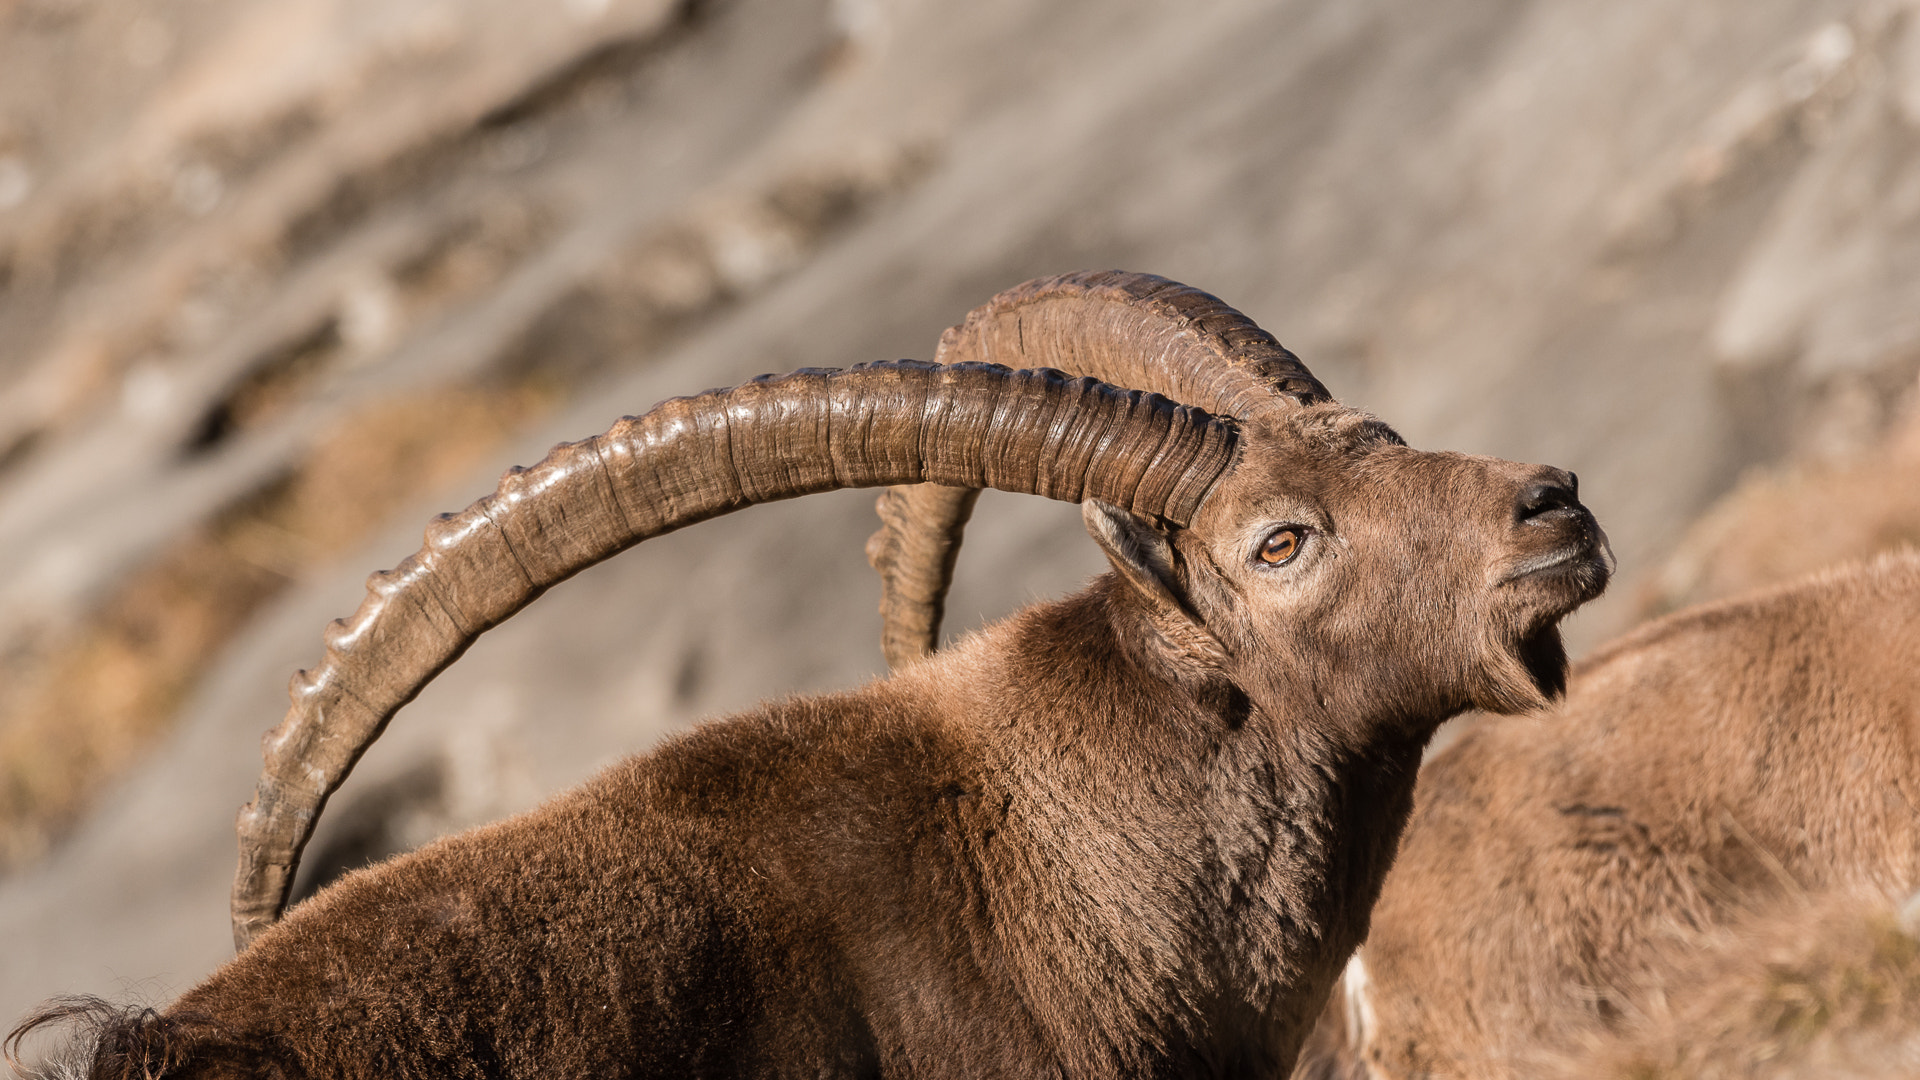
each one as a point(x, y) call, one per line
point(1131, 833)
point(1712, 764)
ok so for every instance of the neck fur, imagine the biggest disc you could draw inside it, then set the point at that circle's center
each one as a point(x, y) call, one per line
point(1186, 820)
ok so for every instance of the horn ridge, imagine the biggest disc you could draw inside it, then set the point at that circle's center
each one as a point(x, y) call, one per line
point(1209, 354)
point(686, 460)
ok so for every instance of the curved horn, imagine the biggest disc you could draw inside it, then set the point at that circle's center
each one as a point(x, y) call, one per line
point(689, 459)
point(1134, 330)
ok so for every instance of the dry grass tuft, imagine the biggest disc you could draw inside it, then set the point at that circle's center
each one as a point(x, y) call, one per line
point(79, 710)
point(1828, 987)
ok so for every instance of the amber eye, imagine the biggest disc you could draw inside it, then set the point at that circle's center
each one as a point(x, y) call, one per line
point(1283, 545)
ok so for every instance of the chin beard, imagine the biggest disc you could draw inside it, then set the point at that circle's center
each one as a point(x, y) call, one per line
point(1526, 676)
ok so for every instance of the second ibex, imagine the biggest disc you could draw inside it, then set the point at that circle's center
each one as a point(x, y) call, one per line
point(1135, 832)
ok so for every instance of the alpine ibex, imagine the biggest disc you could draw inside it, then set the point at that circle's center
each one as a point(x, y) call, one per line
point(1711, 764)
point(1135, 832)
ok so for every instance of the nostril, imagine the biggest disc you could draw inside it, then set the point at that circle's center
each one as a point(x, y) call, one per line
point(1543, 498)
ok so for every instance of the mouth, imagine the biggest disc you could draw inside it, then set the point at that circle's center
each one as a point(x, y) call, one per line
point(1530, 671)
point(1587, 561)
point(1579, 559)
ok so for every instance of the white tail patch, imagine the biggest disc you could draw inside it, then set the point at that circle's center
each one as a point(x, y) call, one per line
point(1354, 988)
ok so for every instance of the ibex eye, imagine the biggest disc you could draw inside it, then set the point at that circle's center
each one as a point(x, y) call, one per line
point(1281, 547)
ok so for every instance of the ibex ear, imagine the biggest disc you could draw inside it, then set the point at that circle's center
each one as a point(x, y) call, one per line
point(1142, 553)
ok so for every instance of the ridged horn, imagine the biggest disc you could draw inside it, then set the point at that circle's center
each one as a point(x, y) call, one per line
point(687, 460)
point(1133, 330)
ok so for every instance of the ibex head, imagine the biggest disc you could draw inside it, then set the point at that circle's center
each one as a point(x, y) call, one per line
point(1283, 580)
point(1329, 520)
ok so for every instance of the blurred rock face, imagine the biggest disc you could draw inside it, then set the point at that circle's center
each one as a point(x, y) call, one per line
point(279, 280)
